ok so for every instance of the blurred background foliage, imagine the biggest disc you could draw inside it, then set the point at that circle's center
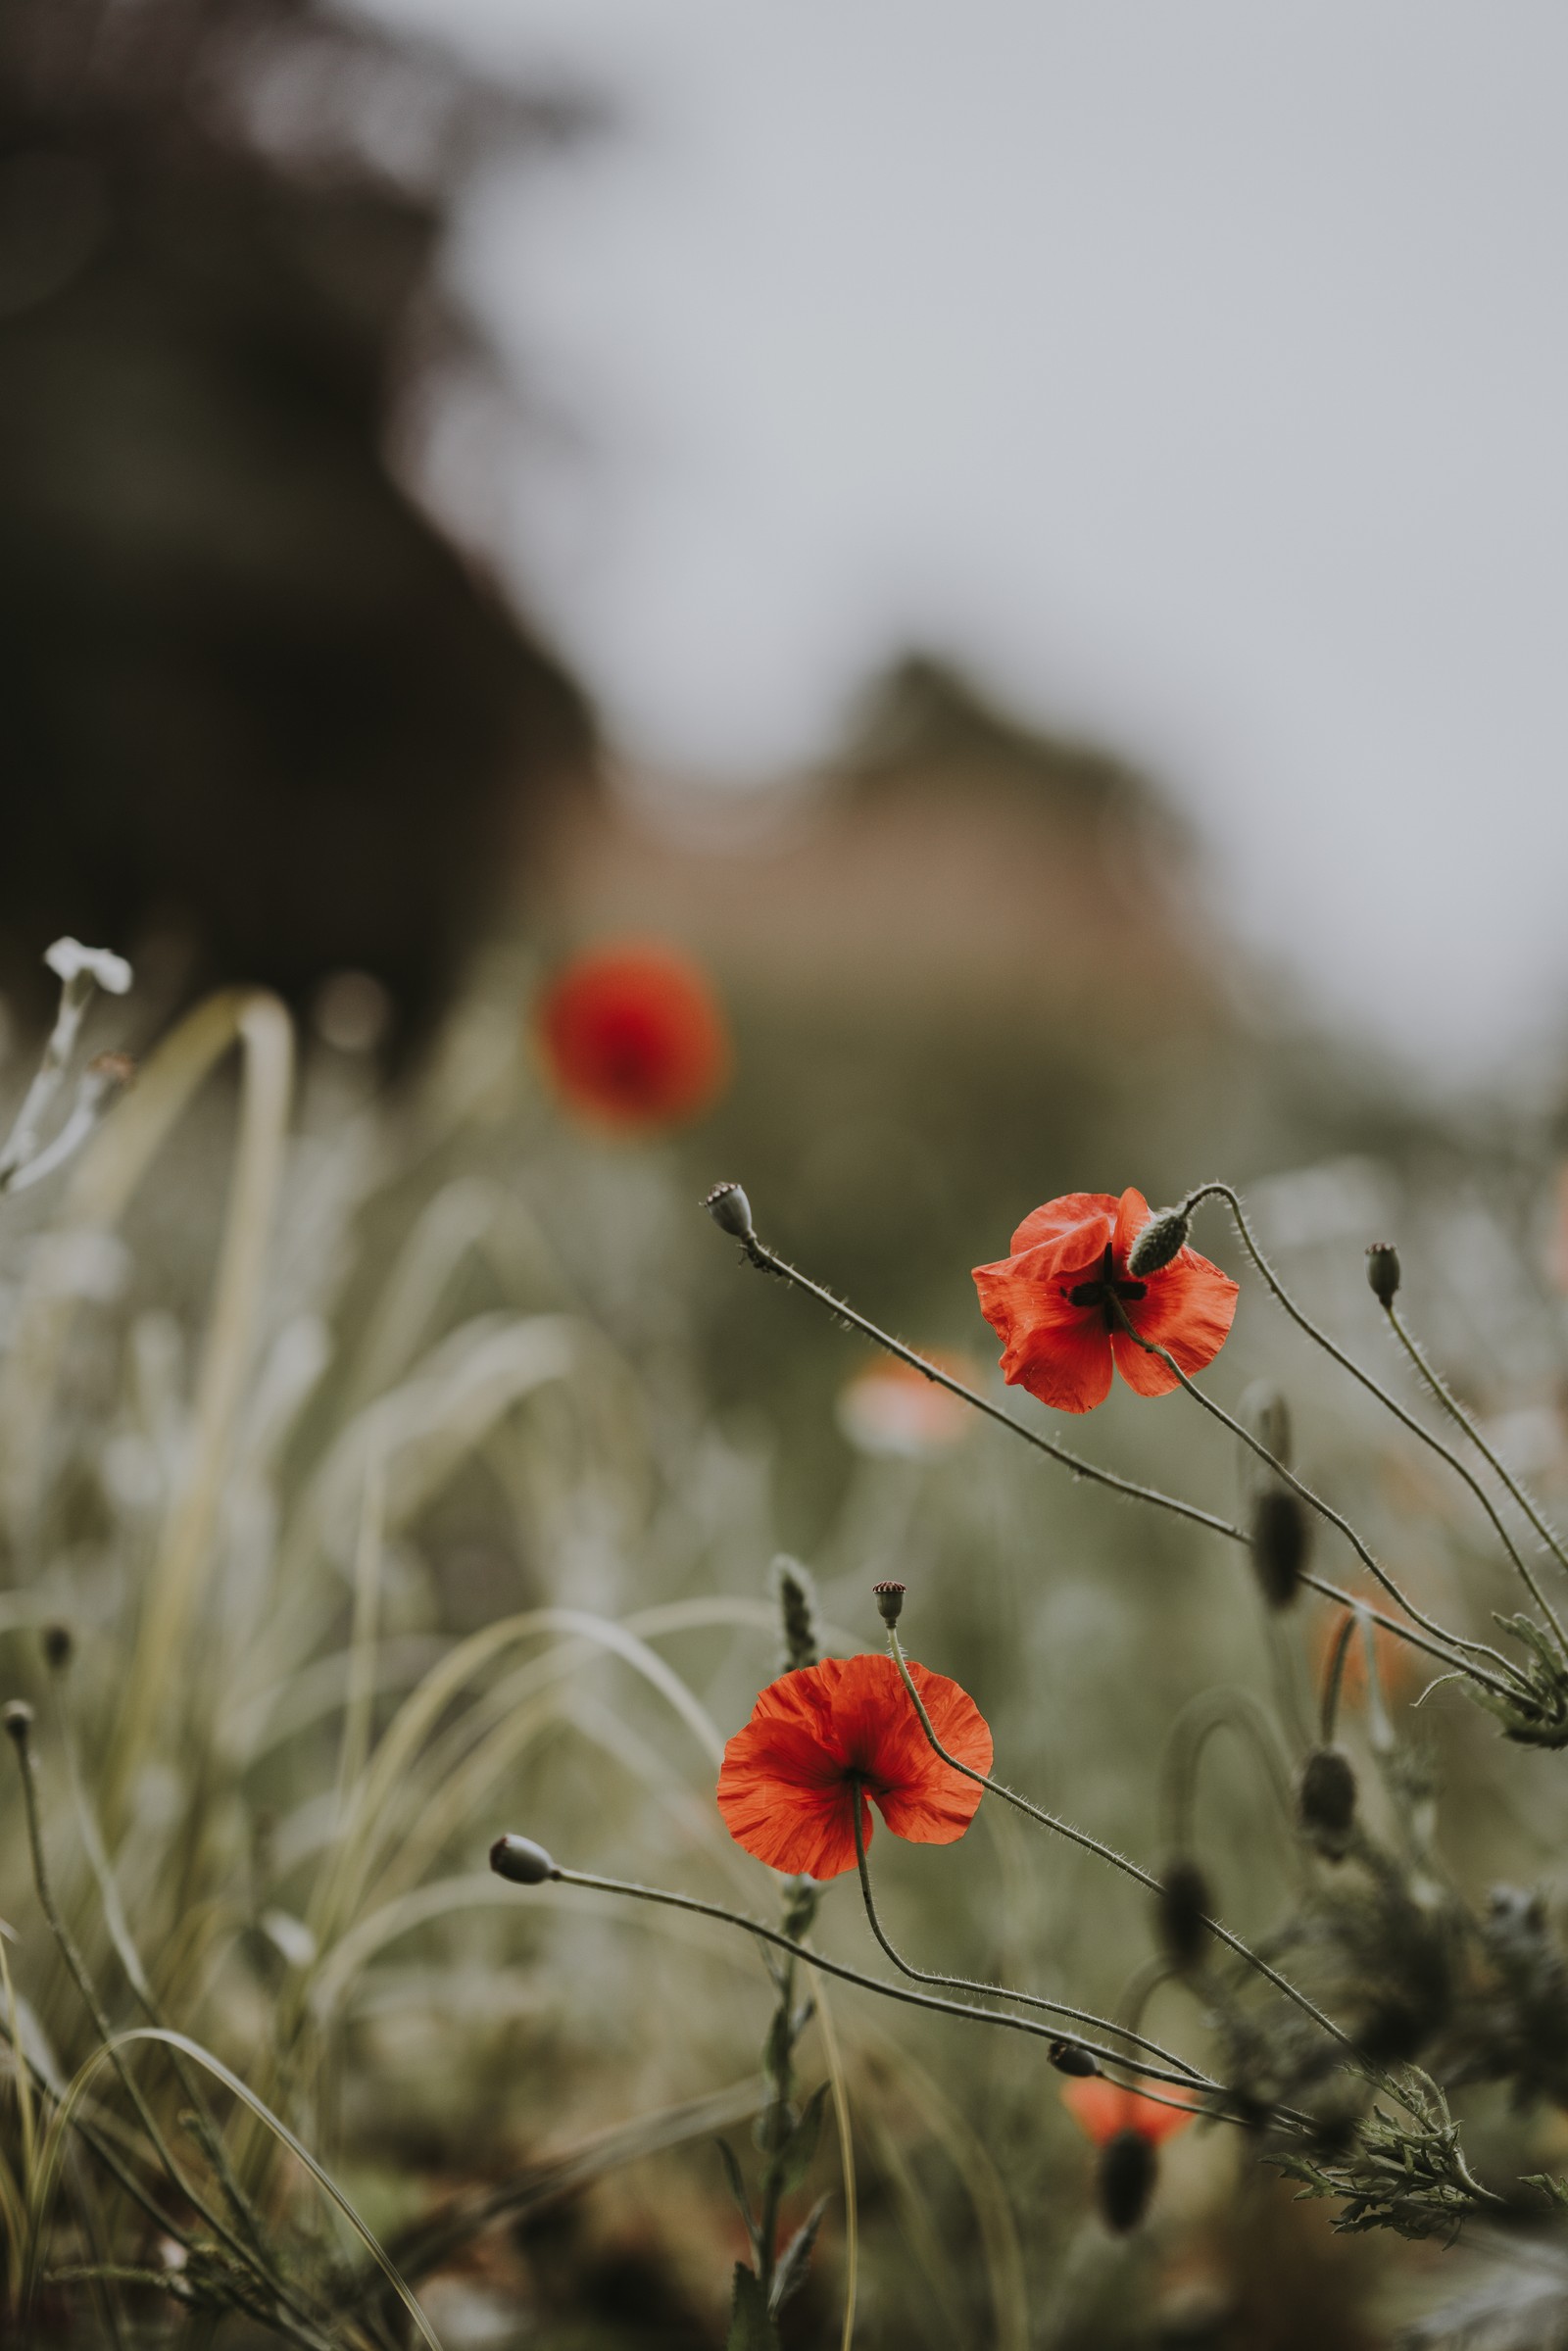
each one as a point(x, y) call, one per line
point(268, 728)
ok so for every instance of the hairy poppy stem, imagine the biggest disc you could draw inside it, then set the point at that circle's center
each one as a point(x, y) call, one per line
point(1212, 1710)
point(765, 1261)
point(1405, 1418)
point(876, 1983)
point(1140, 1877)
point(1456, 1412)
point(1325, 1510)
point(1006, 1991)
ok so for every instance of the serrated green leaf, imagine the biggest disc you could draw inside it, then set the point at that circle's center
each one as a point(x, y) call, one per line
point(795, 2156)
point(749, 2326)
point(737, 2188)
point(795, 2258)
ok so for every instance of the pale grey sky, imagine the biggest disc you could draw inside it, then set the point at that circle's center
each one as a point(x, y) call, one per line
point(1199, 370)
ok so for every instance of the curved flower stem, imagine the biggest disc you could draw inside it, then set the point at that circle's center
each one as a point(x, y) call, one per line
point(765, 1261)
point(1325, 1510)
point(1405, 1418)
point(1139, 1877)
point(849, 1974)
point(1456, 1412)
point(1212, 1710)
point(1005, 1991)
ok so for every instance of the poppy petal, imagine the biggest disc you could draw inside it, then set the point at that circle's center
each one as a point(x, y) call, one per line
point(1091, 1215)
point(1102, 2108)
point(932, 1804)
point(821, 1737)
point(1060, 1352)
point(1189, 1310)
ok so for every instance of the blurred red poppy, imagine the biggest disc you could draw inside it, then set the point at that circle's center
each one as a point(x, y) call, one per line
point(1050, 1303)
point(1104, 2110)
point(828, 1736)
point(634, 1036)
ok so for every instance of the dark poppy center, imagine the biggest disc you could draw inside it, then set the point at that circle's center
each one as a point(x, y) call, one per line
point(1106, 1286)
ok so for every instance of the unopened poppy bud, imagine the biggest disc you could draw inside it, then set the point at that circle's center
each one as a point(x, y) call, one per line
point(1279, 1541)
point(731, 1210)
point(522, 1860)
point(1125, 2180)
point(57, 1646)
point(1383, 1271)
point(1325, 1801)
point(1162, 1239)
point(18, 1720)
point(889, 1601)
point(1071, 2057)
point(1184, 1907)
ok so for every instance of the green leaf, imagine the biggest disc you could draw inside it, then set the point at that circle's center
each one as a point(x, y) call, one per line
point(737, 2188)
point(749, 2326)
point(795, 2156)
point(795, 2258)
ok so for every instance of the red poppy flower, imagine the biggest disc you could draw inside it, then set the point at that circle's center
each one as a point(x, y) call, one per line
point(1104, 2110)
point(827, 1737)
point(634, 1036)
point(1050, 1303)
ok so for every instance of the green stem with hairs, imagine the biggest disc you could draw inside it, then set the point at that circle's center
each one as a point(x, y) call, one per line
point(1406, 1419)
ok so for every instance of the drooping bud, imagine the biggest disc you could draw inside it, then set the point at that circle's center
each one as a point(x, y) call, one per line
point(1162, 1239)
point(1125, 2180)
point(522, 1860)
point(731, 1210)
point(59, 1646)
point(1071, 2057)
point(1383, 1271)
point(18, 1720)
point(1184, 1908)
point(889, 1601)
point(1280, 1538)
point(1325, 1801)
point(795, 1591)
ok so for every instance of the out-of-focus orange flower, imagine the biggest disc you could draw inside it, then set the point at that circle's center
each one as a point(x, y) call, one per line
point(634, 1037)
point(1400, 1663)
point(890, 1408)
point(827, 1737)
point(1104, 2110)
point(1049, 1302)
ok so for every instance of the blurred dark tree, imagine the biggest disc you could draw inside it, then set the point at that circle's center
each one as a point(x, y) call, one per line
point(257, 708)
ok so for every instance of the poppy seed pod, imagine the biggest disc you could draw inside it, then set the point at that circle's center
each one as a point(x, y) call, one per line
point(1265, 1410)
point(1163, 1238)
point(1280, 1542)
point(18, 1720)
point(58, 1647)
point(1071, 2057)
point(731, 1210)
point(1125, 2180)
point(1383, 1271)
point(1325, 1801)
point(889, 1601)
point(520, 1860)
point(1184, 1907)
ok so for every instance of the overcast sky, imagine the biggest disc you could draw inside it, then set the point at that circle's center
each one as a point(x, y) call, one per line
point(1198, 370)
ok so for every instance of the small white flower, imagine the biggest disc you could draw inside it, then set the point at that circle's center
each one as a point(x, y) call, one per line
point(70, 960)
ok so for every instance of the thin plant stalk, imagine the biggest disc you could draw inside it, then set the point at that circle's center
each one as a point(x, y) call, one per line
point(849, 1974)
point(1198, 2081)
point(1108, 1853)
point(1391, 1403)
point(1325, 1510)
point(1457, 1413)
